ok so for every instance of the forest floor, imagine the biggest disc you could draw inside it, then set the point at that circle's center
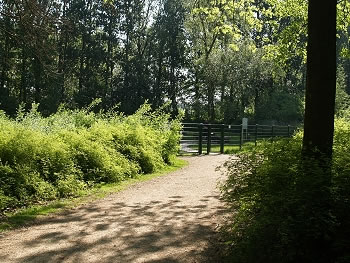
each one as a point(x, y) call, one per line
point(173, 218)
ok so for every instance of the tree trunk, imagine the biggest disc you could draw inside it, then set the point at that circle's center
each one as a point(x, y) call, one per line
point(314, 180)
point(320, 78)
point(62, 63)
point(5, 62)
point(197, 103)
point(23, 87)
point(211, 105)
point(109, 62)
point(157, 92)
point(173, 91)
point(81, 63)
point(37, 70)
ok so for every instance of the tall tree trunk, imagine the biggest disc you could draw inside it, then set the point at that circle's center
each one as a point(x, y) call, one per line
point(82, 62)
point(211, 105)
point(109, 64)
point(4, 77)
point(320, 78)
point(313, 183)
point(157, 93)
point(37, 70)
point(62, 63)
point(23, 87)
point(129, 27)
point(5, 62)
point(197, 102)
point(173, 91)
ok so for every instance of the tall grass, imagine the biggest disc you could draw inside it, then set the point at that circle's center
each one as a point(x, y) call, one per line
point(61, 155)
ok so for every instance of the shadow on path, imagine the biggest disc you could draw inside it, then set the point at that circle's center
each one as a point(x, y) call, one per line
point(128, 233)
point(173, 228)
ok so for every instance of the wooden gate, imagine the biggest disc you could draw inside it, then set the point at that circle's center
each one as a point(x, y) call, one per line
point(199, 137)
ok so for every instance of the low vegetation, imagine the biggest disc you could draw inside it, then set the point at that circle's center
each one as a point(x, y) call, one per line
point(63, 155)
point(25, 216)
point(278, 209)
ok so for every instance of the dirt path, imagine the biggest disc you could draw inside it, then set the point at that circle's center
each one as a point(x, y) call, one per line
point(168, 219)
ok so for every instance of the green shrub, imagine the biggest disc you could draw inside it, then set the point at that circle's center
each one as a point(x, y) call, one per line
point(5, 201)
point(97, 161)
point(283, 210)
point(141, 145)
point(23, 185)
point(171, 145)
point(70, 185)
point(341, 190)
point(43, 190)
point(64, 154)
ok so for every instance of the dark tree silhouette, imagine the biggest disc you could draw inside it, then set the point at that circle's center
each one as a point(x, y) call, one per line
point(321, 78)
point(313, 186)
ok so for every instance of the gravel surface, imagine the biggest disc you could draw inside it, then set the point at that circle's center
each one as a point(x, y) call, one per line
point(169, 219)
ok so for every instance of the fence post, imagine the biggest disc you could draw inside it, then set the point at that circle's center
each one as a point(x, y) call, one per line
point(209, 139)
point(272, 132)
point(222, 139)
point(241, 138)
point(256, 134)
point(200, 139)
point(288, 130)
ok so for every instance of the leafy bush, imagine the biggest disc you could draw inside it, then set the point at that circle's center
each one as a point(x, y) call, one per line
point(65, 153)
point(282, 209)
point(70, 185)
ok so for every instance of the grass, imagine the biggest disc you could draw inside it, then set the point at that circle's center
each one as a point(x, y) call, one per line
point(26, 216)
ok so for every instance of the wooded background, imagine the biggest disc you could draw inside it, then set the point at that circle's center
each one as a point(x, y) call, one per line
point(217, 60)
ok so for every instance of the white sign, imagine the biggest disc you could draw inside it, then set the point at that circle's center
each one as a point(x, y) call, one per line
point(245, 123)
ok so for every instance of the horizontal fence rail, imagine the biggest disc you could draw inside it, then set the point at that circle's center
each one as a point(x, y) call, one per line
point(199, 137)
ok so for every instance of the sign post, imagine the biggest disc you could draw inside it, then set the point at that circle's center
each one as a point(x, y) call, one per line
point(244, 128)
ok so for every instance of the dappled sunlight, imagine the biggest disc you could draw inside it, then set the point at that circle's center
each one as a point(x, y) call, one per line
point(146, 223)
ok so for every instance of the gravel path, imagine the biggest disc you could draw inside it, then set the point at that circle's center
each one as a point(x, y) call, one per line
point(168, 219)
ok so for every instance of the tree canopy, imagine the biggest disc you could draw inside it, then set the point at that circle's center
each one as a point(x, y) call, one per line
point(218, 60)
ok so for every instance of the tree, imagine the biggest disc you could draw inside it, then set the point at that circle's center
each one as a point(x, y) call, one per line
point(169, 52)
point(314, 183)
point(321, 78)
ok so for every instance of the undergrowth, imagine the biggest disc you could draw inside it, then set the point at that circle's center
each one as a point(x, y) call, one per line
point(282, 209)
point(27, 215)
point(62, 155)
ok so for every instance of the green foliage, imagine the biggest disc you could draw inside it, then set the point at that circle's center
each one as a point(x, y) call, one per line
point(281, 107)
point(28, 214)
point(215, 59)
point(341, 189)
point(286, 208)
point(70, 151)
point(342, 98)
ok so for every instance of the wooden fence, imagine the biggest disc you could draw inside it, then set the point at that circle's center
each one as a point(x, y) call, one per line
point(199, 137)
